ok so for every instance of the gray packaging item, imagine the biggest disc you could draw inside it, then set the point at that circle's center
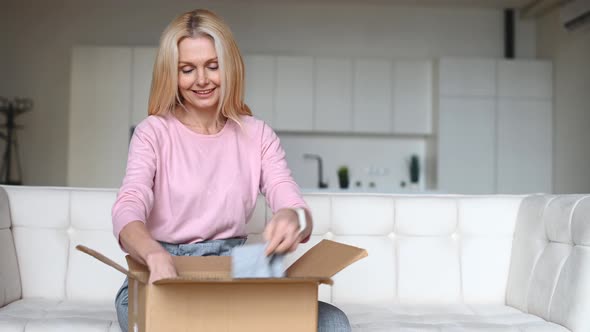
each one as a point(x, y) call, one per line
point(250, 261)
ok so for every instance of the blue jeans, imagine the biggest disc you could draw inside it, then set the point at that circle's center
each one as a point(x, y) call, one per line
point(330, 318)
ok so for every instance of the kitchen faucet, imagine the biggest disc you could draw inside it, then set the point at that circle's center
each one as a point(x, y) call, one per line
point(321, 183)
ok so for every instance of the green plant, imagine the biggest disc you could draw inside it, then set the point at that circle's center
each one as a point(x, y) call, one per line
point(343, 171)
point(343, 177)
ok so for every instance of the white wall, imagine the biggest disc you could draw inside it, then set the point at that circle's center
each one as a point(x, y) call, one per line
point(43, 33)
point(570, 52)
point(525, 38)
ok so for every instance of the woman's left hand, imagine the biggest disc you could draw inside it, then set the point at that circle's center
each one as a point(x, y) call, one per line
point(282, 232)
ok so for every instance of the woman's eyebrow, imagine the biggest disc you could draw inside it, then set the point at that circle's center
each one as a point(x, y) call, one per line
point(181, 62)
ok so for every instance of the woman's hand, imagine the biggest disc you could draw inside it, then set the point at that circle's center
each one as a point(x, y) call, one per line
point(282, 232)
point(142, 247)
point(161, 266)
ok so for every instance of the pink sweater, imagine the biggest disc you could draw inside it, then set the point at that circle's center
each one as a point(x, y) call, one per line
point(187, 187)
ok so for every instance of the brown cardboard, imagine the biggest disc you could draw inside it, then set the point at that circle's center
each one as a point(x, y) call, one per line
point(325, 259)
point(111, 263)
point(204, 297)
point(192, 268)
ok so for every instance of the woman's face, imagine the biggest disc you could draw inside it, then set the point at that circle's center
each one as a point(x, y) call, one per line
point(199, 79)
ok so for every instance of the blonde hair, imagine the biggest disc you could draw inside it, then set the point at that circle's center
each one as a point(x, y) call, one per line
point(164, 95)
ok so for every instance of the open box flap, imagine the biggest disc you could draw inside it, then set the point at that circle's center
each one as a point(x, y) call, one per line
point(187, 267)
point(141, 277)
point(325, 259)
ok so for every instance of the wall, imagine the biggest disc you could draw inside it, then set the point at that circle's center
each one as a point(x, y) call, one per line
point(4, 60)
point(570, 52)
point(5, 76)
point(43, 33)
point(38, 68)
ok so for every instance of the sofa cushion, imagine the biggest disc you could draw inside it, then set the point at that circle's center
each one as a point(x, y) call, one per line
point(90, 225)
point(448, 318)
point(40, 217)
point(41, 315)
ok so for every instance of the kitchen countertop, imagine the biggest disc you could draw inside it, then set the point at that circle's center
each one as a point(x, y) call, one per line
point(371, 191)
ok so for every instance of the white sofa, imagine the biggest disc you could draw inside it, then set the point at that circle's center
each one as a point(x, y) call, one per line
point(436, 263)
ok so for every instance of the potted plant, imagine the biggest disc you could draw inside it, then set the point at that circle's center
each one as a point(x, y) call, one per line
point(343, 177)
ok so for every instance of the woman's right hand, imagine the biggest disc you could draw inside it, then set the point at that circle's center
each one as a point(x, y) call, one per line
point(161, 266)
point(137, 240)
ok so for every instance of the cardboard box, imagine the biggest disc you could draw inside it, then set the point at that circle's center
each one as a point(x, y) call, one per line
point(204, 297)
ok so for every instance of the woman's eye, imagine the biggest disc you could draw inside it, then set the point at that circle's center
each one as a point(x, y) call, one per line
point(214, 66)
point(187, 71)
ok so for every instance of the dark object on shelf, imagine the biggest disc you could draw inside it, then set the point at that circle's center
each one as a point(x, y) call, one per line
point(414, 169)
point(509, 33)
point(321, 183)
point(12, 109)
point(343, 177)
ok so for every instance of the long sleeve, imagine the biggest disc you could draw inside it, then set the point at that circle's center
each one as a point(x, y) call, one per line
point(136, 197)
point(276, 182)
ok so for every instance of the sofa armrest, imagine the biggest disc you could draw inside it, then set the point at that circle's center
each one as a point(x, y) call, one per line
point(10, 285)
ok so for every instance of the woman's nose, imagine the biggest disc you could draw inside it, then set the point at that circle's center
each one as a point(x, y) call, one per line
point(202, 79)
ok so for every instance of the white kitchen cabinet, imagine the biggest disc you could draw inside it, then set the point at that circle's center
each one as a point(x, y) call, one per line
point(100, 104)
point(333, 95)
point(467, 77)
point(260, 71)
point(412, 97)
point(525, 79)
point(372, 107)
point(518, 157)
point(143, 64)
point(525, 126)
point(294, 94)
point(524, 141)
point(466, 145)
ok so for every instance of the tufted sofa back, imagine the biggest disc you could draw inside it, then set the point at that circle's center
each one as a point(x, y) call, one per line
point(550, 266)
point(47, 223)
point(531, 252)
point(435, 250)
point(422, 250)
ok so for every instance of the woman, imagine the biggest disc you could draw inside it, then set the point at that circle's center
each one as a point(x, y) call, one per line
point(197, 163)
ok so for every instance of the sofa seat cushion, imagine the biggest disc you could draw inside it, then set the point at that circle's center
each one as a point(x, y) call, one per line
point(40, 315)
point(448, 318)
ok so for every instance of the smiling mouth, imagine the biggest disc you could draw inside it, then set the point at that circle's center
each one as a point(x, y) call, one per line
point(203, 92)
